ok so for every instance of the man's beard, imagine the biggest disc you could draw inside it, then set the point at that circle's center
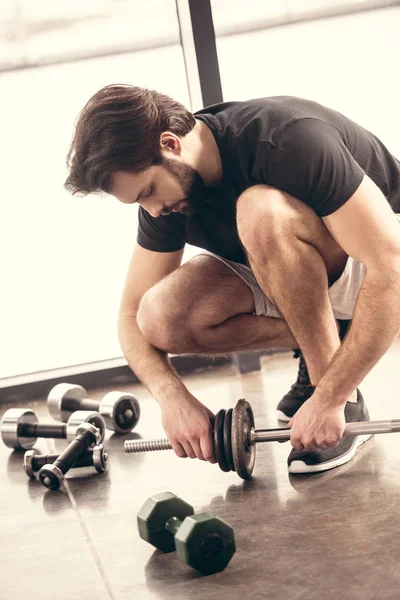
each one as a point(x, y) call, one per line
point(191, 183)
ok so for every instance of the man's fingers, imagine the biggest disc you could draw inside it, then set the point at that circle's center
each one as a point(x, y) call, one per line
point(311, 445)
point(197, 448)
point(207, 447)
point(298, 446)
point(178, 449)
point(185, 449)
point(296, 442)
point(188, 449)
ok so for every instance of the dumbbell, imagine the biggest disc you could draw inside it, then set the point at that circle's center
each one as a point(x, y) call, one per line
point(120, 411)
point(202, 541)
point(52, 475)
point(96, 458)
point(235, 438)
point(20, 427)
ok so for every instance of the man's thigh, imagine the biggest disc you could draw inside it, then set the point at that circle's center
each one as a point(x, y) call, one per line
point(203, 290)
point(205, 306)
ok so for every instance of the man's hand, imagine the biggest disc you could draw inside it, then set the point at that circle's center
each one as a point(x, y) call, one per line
point(186, 422)
point(317, 425)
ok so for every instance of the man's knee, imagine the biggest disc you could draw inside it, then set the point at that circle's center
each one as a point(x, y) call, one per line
point(158, 319)
point(267, 217)
point(264, 214)
point(168, 315)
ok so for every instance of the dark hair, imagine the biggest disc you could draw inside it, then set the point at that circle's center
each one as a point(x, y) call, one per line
point(119, 130)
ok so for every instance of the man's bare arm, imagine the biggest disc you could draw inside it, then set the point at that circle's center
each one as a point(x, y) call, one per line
point(368, 230)
point(150, 365)
point(185, 419)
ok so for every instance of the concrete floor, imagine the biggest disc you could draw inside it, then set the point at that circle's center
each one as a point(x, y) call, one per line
point(331, 535)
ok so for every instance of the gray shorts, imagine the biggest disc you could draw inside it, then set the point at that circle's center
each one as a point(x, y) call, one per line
point(343, 293)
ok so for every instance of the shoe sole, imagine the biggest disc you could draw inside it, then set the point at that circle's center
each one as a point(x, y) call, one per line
point(282, 417)
point(298, 466)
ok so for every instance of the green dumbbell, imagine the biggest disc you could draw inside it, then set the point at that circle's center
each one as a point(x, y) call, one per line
point(202, 541)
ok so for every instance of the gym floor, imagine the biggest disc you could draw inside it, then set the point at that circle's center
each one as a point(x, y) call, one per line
point(330, 535)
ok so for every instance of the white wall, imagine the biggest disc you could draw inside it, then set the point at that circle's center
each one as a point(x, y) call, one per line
point(64, 259)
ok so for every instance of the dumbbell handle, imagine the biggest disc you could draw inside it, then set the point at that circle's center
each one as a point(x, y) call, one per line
point(44, 430)
point(173, 525)
point(72, 404)
point(272, 435)
point(147, 445)
point(40, 460)
point(75, 449)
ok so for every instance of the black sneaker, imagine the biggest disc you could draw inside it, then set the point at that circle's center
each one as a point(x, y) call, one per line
point(299, 393)
point(314, 461)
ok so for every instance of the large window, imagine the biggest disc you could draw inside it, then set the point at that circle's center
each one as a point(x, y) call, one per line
point(44, 31)
point(348, 62)
point(234, 16)
point(64, 259)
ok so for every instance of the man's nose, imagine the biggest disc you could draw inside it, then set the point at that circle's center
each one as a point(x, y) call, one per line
point(156, 211)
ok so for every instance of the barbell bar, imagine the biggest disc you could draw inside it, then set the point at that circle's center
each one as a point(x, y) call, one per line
point(235, 437)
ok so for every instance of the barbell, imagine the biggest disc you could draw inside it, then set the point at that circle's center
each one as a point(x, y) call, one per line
point(235, 437)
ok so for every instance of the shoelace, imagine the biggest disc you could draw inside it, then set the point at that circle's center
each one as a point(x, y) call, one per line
point(303, 378)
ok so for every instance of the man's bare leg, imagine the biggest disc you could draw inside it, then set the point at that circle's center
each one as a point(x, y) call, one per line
point(206, 308)
point(294, 257)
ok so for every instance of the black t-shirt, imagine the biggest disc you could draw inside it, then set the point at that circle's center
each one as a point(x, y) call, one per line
point(312, 152)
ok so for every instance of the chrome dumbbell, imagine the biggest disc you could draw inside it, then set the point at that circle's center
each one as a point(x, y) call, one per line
point(96, 458)
point(121, 411)
point(52, 475)
point(20, 427)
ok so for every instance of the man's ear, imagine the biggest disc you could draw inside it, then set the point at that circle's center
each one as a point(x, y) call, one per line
point(170, 142)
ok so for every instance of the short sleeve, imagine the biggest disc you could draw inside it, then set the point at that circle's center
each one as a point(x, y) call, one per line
point(161, 234)
point(310, 161)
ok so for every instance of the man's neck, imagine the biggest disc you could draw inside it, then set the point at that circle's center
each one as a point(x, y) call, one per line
point(207, 158)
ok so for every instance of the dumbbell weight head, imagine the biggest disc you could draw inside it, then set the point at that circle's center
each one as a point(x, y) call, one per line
point(64, 399)
point(121, 411)
point(100, 458)
point(205, 543)
point(12, 419)
point(154, 515)
point(86, 416)
point(28, 458)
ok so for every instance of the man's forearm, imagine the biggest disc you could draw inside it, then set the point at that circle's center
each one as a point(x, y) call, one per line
point(150, 365)
point(375, 326)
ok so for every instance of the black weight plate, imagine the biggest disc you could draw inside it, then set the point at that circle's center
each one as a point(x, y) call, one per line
point(244, 453)
point(228, 440)
point(219, 440)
